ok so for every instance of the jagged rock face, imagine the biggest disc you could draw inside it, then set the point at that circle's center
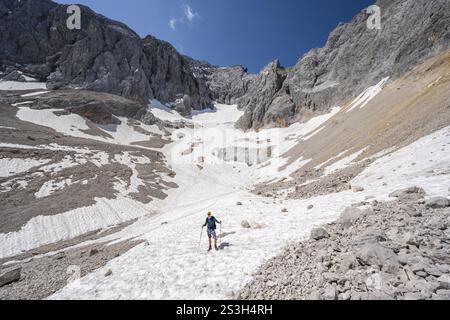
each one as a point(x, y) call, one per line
point(103, 56)
point(170, 75)
point(258, 101)
point(353, 59)
point(225, 84)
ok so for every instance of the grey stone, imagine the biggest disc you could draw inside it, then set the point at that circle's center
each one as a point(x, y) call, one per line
point(407, 191)
point(310, 207)
point(438, 202)
point(319, 234)
point(315, 295)
point(245, 224)
point(357, 189)
point(59, 256)
point(349, 216)
point(374, 281)
point(444, 282)
point(441, 295)
point(431, 270)
point(422, 274)
point(10, 275)
point(369, 236)
point(348, 262)
point(93, 252)
point(330, 292)
point(414, 296)
point(374, 254)
point(417, 267)
point(379, 296)
point(346, 295)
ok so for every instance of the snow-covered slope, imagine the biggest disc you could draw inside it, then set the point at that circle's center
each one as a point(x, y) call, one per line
point(173, 263)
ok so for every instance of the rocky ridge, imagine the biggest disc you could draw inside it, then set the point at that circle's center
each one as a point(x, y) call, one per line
point(353, 59)
point(104, 55)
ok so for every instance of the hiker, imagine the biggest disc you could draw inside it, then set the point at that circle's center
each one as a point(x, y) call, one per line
point(211, 224)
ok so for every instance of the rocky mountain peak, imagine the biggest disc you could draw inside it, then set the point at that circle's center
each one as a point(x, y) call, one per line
point(353, 59)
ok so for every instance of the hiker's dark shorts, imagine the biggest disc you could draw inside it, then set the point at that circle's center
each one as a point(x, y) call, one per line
point(212, 234)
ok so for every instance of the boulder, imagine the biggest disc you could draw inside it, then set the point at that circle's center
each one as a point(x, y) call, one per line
point(330, 292)
point(10, 275)
point(348, 262)
point(93, 252)
point(438, 203)
point(319, 234)
point(349, 216)
point(441, 295)
point(357, 189)
point(444, 282)
point(245, 224)
point(374, 254)
point(406, 192)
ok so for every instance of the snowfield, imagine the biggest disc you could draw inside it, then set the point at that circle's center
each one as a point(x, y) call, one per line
point(15, 85)
point(76, 126)
point(173, 263)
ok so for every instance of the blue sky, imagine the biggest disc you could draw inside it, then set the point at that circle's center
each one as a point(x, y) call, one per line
point(231, 32)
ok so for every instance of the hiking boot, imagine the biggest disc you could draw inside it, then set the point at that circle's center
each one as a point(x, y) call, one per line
point(209, 249)
point(217, 249)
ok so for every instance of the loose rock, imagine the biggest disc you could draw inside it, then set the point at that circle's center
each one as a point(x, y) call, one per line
point(319, 234)
point(10, 276)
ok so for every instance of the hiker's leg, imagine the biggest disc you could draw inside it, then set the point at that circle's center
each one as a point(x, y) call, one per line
point(209, 239)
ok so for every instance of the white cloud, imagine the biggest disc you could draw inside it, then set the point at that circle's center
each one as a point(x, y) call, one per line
point(173, 24)
point(189, 13)
point(187, 17)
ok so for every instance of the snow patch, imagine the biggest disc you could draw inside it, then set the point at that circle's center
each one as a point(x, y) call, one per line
point(33, 94)
point(343, 163)
point(367, 95)
point(16, 86)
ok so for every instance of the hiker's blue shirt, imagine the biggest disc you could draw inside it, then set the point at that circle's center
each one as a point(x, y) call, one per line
point(211, 223)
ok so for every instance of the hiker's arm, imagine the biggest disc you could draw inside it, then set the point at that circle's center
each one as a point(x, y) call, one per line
point(206, 222)
point(219, 222)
